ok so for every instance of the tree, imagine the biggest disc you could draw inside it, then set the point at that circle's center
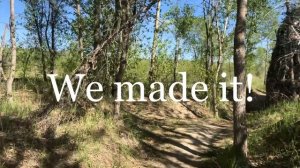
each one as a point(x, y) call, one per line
point(182, 21)
point(221, 24)
point(45, 21)
point(80, 28)
point(288, 6)
point(240, 128)
point(216, 16)
point(55, 22)
point(35, 24)
point(2, 75)
point(97, 23)
point(123, 13)
point(154, 45)
point(262, 22)
point(117, 36)
point(209, 17)
point(12, 27)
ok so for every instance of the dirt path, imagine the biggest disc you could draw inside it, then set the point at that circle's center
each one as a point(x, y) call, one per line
point(175, 137)
point(171, 135)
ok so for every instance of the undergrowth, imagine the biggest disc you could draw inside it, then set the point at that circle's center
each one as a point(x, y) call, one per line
point(275, 135)
point(14, 108)
point(98, 140)
point(274, 138)
point(101, 141)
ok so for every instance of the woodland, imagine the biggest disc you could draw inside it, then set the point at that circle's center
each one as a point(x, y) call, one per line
point(150, 83)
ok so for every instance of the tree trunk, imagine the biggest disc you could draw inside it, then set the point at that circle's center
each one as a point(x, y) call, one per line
point(240, 128)
point(154, 46)
point(39, 32)
point(209, 18)
point(288, 6)
point(266, 63)
point(216, 78)
point(120, 73)
point(208, 49)
point(2, 75)
point(40, 39)
point(96, 15)
point(221, 38)
point(12, 27)
point(52, 21)
point(123, 15)
point(80, 29)
point(118, 15)
point(53, 52)
point(176, 58)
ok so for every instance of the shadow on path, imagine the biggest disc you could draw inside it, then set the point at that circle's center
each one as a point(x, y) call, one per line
point(20, 146)
point(181, 144)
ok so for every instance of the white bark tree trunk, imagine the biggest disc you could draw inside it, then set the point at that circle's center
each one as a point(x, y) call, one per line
point(12, 27)
point(80, 30)
point(2, 75)
point(154, 45)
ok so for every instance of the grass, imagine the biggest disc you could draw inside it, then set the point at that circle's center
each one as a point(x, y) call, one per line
point(275, 135)
point(274, 138)
point(226, 158)
point(14, 109)
point(101, 141)
point(98, 140)
point(22, 105)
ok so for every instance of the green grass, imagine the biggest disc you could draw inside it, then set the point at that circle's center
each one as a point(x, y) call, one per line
point(227, 158)
point(275, 134)
point(15, 108)
point(274, 138)
point(101, 141)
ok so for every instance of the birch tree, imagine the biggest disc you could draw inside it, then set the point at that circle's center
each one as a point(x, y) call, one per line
point(79, 28)
point(12, 28)
point(182, 21)
point(154, 45)
point(2, 75)
point(221, 24)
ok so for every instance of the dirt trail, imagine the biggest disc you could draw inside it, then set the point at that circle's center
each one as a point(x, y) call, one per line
point(175, 136)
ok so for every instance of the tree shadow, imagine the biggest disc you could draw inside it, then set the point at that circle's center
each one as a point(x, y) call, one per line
point(50, 150)
point(194, 148)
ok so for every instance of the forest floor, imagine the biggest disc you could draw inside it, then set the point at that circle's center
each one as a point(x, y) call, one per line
point(166, 135)
point(180, 135)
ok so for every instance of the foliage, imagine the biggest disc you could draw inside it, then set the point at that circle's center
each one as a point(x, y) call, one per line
point(181, 19)
point(68, 61)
